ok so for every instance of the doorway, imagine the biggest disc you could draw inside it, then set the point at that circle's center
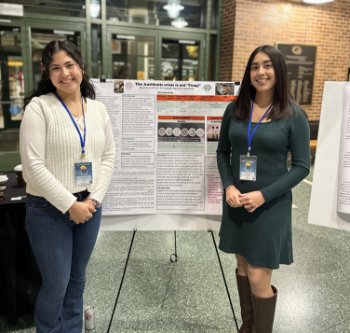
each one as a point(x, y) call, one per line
point(147, 55)
point(180, 60)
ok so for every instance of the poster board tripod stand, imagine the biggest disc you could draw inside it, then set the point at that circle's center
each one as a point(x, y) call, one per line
point(173, 259)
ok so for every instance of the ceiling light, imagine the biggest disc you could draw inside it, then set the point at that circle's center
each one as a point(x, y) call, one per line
point(95, 9)
point(173, 8)
point(317, 2)
point(180, 22)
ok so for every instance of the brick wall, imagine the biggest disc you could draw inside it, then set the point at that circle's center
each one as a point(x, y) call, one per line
point(227, 39)
point(257, 22)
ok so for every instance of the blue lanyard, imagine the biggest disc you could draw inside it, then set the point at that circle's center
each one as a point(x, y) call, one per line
point(82, 139)
point(250, 135)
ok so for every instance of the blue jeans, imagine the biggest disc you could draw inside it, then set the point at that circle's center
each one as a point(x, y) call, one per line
point(62, 250)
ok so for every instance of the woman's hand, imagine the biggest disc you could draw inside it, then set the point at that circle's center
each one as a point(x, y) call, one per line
point(81, 211)
point(91, 203)
point(252, 200)
point(232, 196)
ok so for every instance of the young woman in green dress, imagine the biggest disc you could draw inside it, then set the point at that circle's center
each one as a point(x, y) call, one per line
point(260, 130)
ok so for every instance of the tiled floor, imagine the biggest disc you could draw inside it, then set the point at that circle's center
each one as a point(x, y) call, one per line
point(158, 296)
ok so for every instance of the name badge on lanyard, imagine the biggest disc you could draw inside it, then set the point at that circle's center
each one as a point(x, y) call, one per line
point(83, 169)
point(83, 173)
point(248, 163)
point(247, 167)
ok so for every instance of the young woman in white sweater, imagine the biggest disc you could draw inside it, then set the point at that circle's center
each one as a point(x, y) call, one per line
point(67, 152)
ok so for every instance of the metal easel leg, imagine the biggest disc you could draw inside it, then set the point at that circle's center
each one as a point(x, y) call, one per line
point(173, 256)
point(224, 278)
point(122, 280)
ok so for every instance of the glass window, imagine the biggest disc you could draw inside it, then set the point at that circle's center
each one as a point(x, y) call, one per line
point(180, 60)
point(177, 13)
point(96, 54)
point(74, 8)
point(214, 20)
point(11, 77)
point(212, 58)
point(132, 57)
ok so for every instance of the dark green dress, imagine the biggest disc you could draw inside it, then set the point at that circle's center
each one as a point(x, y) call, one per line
point(263, 237)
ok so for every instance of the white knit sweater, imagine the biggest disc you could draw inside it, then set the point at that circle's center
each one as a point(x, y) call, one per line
point(50, 145)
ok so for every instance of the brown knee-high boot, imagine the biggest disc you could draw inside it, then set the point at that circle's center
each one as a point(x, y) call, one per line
point(245, 303)
point(264, 312)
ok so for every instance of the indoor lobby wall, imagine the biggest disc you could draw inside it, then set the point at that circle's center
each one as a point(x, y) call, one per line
point(258, 22)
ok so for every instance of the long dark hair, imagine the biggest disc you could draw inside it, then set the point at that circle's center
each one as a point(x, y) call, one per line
point(45, 85)
point(282, 100)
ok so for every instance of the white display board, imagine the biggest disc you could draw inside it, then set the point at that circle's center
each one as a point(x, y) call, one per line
point(329, 158)
point(161, 222)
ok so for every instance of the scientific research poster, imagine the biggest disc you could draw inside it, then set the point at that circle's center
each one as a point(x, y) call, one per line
point(166, 135)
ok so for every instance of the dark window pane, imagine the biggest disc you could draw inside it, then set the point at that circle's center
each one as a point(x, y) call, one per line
point(74, 8)
point(177, 13)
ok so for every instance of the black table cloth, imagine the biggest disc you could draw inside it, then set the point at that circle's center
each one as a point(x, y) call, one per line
point(20, 278)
